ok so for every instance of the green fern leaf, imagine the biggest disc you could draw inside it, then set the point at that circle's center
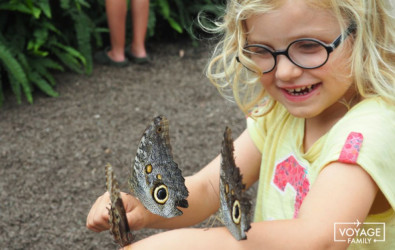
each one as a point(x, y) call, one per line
point(83, 30)
point(175, 25)
point(26, 87)
point(72, 52)
point(65, 4)
point(16, 88)
point(42, 66)
point(42, 84)
point(49, 63)
point(12, 66)
point(19, 7)
point(164, 8)
point(70, 61)
point(40, 38)
point(151, 22)
point(17, 38)
point(50, 27)
point(42, 71)
point(83, 3)
point(27, 8)
point(45, 7)
point(1, 91)
point(27, 90)
point(97, 35)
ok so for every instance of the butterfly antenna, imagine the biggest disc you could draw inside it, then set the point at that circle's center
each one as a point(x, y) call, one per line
point(211, 221)
point(212, 186)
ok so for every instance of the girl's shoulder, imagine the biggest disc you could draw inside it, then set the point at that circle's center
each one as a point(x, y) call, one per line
point(363, 137)
point(365, 131)
point(368, 114)
point(376, 104)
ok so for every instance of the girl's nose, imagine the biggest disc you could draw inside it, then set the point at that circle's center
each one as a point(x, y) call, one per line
point(286, 71)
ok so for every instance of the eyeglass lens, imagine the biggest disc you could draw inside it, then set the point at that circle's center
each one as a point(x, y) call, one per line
point(304, 53)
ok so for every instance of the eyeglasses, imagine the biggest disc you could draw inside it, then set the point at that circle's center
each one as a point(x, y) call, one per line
point(307, 53)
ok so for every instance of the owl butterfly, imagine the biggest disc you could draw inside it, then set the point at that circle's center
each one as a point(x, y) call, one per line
point(155, 178)
point(119, 227)
point(235, 207)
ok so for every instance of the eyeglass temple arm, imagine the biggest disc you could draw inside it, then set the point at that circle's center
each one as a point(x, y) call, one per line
point(351, 28)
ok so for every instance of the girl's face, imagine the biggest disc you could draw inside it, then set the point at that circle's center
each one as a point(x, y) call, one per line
point(320, 89)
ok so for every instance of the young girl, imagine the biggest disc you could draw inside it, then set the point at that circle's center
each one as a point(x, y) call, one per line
point(319, 131)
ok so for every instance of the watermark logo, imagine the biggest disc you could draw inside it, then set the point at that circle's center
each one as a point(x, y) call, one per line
point(359, 233)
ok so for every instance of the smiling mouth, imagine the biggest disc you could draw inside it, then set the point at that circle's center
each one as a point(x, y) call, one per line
point(301, 91)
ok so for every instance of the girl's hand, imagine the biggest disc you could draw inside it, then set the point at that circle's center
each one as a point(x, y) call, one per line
point(138, 217)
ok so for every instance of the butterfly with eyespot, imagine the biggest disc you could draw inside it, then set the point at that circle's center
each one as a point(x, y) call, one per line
point(119, 227)
point(235, 206)
point(155, 178)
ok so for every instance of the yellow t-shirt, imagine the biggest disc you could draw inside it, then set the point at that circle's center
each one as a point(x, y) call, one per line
point(364, 136)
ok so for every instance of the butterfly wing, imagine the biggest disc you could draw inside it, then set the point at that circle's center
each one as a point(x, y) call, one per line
point(119, 227)
point(235, 208)
point(155, 178)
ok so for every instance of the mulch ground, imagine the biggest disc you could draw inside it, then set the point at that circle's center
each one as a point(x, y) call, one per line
point(53, 152)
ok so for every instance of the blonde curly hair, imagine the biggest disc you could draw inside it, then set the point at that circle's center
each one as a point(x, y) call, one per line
point(372, 59)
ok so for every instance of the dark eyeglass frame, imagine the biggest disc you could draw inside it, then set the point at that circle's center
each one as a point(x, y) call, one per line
point(328, 47)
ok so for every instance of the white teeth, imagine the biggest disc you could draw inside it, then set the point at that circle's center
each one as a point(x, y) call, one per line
point(300, 91)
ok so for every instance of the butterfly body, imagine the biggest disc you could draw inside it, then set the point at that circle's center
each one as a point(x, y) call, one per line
point(235, 206)
point(155, 178)
point(119, 227)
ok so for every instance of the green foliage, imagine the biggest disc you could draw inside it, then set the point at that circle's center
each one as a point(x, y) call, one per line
point(181, 16)
point(39, 37)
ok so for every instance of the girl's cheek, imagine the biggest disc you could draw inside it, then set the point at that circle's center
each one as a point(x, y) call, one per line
point(341, 61)
point(267, 80)
point(340, 70)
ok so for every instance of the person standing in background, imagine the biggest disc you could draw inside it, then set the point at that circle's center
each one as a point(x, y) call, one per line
point(118, 55)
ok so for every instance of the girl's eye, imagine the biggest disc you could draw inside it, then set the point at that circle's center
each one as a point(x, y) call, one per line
point(257, 52)
point(307, 46)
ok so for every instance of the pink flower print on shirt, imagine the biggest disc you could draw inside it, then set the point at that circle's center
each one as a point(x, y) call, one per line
point(350, 151)
point(290, 171)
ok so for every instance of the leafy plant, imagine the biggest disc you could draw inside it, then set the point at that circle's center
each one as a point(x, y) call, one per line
point(34, 42)
point(38, 37)
point(181, 16)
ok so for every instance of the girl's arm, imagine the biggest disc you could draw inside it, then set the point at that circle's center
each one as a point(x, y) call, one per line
point(341, 193)
point(203, 196)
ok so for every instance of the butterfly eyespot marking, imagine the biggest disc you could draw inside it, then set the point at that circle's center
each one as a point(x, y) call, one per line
point(159, 129)
point(148, 168)
point(236, 212)
point(226, 188)
point(161, 194)
point(159, 177)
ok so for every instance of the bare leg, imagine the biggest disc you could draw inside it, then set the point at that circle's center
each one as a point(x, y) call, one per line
point(116, 15)
point(140, 12)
